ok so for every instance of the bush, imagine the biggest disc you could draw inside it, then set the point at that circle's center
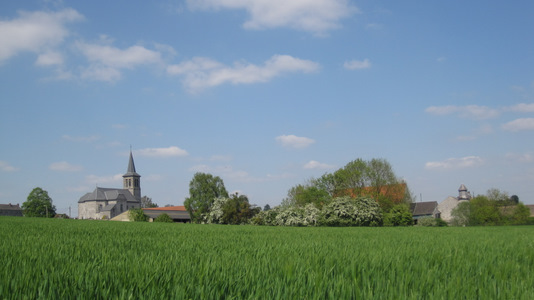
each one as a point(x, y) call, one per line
point(399, 215)
point(137, 215)
point(346, 211)
point(431, 222)
point(163, 218)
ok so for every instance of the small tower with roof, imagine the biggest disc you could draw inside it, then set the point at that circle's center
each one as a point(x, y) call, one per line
point(132, 180)
point(463, 194)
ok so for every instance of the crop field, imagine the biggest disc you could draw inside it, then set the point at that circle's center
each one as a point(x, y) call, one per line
point(62, 259)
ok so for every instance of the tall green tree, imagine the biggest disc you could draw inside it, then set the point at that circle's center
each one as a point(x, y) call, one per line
point(146, 202)
point(204, 188)
point(38, 204)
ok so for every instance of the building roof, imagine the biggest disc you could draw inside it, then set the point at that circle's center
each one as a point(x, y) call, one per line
point(10, 207)
point(423, 208)
point(107, 194)
point(166, 208)
point(174, 214)
point(131, 168)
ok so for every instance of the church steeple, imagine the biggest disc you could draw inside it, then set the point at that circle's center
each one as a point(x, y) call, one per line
point(132, 180)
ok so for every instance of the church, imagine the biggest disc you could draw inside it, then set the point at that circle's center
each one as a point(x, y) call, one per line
point(106, 203)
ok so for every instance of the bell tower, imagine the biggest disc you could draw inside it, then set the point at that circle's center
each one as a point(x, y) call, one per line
point(131, 180)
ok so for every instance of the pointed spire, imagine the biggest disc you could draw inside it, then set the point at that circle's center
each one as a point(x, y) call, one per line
point(131, 167)
point(131, 164)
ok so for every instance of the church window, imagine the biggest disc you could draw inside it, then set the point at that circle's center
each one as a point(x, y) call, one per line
point(121, 208)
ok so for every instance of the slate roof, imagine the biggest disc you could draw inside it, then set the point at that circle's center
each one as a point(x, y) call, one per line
point(131, 168)
point(423, 208)
point(10, 210)
point(107, 194)
point(10, 206)
point(173, 208)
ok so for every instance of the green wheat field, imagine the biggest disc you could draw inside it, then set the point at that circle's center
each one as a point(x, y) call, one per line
point(66, 259)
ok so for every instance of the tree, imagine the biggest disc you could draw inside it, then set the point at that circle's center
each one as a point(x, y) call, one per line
point(234, 210)
point(39, 204)
point(165, 218)
point(461, 214)
point(266, 207)
point(358, 178)
point(146, 202)
point(399, 215)
point(301, 195)
point(520, 215)
point(203, 190)
point(137, 215)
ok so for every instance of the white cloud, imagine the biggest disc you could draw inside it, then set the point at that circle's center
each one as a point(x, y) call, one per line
point(162, 152)
point(357, 64)
point(316, 16)
point(36, 32)
point(521, 158)
point(6, 167)
point(455, 163)
point(313, 164)
point(519, 125)
point(201, 72)
point(50, 58)
point(476, 112)
point(522, 107)
point(292, 141)
point(98, 180)
point(84, 139)
point(107, 61)
point(64, 166)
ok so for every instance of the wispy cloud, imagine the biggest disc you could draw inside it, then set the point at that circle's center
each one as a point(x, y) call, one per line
point(455, 163)
point(357, 64)
point(520, 157)
point(293, 141)
point(519, 125)
point(6, 167)
point(37, 32)
point(201, 72)
point(522, 107)
point(315, 16)
point(171, 151)
point(313, 164)
point(476, 112)
point(64, 166)
point(107, 62)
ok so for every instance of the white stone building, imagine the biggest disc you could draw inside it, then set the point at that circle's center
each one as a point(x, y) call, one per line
point(446, 206)
point(106, 203)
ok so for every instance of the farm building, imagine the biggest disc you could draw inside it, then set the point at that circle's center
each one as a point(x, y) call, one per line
point(10, 210)
point(177, 213)
point(106, 203)
point(446, 206)
point(424, 209)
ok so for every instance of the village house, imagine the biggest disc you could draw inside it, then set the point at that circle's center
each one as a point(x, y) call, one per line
point(424, 209)
point(106, 203)
point(449, 204)
point(12, 210)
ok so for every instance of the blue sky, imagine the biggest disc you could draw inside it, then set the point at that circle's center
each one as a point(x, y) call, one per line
point(265, 94)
